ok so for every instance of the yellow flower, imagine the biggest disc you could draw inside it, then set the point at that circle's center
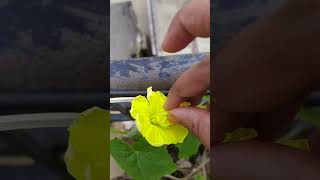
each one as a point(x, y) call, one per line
point(302, 144)
point(240, 134)
point(152, 120)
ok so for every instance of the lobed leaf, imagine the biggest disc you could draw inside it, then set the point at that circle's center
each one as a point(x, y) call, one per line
point(142, 161)
point(189, 147)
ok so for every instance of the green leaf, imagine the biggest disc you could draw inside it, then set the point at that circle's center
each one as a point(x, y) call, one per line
point(199, 176)
point(189, 147)
point(310, 115)
point(204, 101)
point(143, 145)
point(141, 160)
point(87, 154)
point(134, 134)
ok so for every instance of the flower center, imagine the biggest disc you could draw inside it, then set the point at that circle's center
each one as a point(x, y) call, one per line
point(160, 119)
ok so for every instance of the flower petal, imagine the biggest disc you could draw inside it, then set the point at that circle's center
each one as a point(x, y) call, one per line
point(178, 132)
point(143, 123)
point(157, 101)
point(158, 136)
point(139, 105)
point(155, 136)
point(140, 112)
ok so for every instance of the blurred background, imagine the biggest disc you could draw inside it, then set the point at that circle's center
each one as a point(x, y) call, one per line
point(54, 59)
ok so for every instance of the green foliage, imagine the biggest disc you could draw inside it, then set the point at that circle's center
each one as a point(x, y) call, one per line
point(310, 115)
point(134, 134)
point(141, 160)
point(206, 98)
point(189, 147)
point(199, 176)
point(87, 154)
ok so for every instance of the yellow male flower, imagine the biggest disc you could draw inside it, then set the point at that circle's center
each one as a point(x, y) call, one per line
point(152, 120)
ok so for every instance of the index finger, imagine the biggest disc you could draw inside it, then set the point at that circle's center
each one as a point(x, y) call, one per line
point(193, 82)
point(193, 20)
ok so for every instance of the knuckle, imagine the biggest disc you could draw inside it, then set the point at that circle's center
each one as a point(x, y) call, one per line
point(188, 20)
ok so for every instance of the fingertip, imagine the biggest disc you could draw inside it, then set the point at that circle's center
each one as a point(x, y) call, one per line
point(168, 43)
point(173, 100)
point(174, 115)
point(164, 44)
point(166, 107)
point(171, 117)
point(177, 37)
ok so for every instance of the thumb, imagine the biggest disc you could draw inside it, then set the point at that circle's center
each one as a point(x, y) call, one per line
point(195, 119)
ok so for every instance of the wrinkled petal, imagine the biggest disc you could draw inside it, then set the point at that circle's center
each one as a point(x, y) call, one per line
point(158, 136)
point(143, 123)
point(155, 136)
point(140, 112)
point(156, 100)
point(158, 114)
point(178, 132)
point(139, 105)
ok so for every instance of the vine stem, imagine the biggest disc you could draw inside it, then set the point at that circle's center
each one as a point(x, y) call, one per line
point(206, 161)
point(196, 169)
point(172, 177)
point(204, 155)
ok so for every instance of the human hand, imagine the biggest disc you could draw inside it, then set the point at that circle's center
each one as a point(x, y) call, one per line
point(192, 21)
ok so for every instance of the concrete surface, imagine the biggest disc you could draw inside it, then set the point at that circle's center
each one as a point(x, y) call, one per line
point(140, 8)
point(123, 31)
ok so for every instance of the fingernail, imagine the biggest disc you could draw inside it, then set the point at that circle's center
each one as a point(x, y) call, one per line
point(172, 118)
